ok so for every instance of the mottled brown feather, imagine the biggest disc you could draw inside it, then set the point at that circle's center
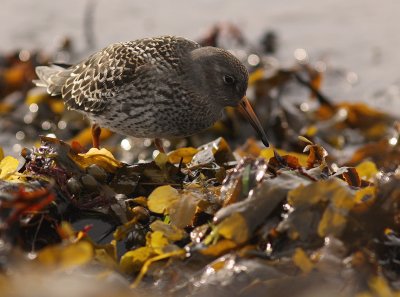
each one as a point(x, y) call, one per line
point(95, 80)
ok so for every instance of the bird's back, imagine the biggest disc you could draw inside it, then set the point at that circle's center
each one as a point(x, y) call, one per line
point(91, 85)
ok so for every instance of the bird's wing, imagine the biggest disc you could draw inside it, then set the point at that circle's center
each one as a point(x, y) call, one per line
point(95, 80)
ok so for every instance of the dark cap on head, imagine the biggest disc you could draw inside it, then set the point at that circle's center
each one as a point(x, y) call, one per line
point(220, 74)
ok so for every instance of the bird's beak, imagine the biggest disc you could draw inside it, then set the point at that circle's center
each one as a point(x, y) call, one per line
point(246, 109)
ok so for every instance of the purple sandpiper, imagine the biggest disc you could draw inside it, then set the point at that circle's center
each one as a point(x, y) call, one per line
point(158, 87)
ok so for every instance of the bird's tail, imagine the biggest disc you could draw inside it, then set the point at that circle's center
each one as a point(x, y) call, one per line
point(53, 78)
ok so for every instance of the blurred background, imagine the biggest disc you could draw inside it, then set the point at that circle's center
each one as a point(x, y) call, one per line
point(356, 40)
point(360, 35)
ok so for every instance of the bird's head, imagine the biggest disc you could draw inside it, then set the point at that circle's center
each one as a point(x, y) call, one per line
point(221, 75)
point(222, 79)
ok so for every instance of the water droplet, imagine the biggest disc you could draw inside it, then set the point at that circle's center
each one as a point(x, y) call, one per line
point(32, 255)
point(28, 118)
point(301, 55)
point(24, 55)
point(393, 141)
point(253, 60)
point(33, 107)
point(20, 135)
point(334, 167)
point(304, 107)
point(62, 125)
point(166, 143)
point(126, 144)
point(155, 153)
point(268, 249)
point(147, 142)
point(327, 240)
point(17, 148)
point(46, 125)
point(342, 113)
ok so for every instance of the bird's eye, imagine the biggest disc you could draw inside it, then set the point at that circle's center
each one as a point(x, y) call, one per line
point(229, 80)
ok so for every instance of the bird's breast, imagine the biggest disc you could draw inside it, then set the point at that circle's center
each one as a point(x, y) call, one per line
point(158, 115)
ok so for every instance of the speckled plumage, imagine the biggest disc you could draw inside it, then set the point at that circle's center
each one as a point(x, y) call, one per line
point(155, 87)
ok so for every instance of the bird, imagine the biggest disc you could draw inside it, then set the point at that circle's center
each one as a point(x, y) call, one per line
point(159, 87)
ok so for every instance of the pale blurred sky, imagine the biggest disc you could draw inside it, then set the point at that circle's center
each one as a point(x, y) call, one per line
point(350, 34)
point(310, 23)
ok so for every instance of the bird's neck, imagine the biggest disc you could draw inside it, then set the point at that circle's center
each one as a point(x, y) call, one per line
point(194, 70)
